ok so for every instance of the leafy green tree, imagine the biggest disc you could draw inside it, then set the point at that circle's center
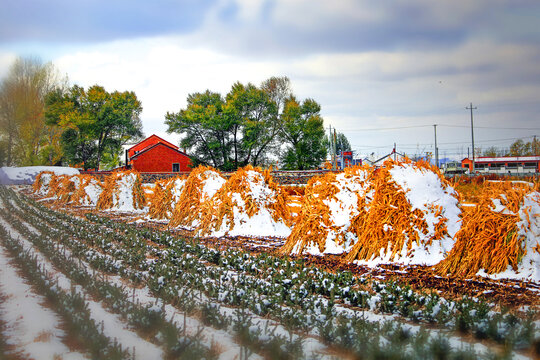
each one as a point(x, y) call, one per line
point(253, 116)
point(303, 131)
point(243, 127)
point(99, 122)
point(205, 129)
point(78, 148)
point(279, 90)
point(229, 132)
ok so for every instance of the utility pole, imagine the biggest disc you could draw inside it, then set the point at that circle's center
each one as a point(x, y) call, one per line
point(330, 145)
point(472, 134)
point(332, 139)
point(436, 149)
point(335, 150)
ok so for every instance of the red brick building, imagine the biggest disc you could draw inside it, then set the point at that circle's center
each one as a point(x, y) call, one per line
point(154, 154)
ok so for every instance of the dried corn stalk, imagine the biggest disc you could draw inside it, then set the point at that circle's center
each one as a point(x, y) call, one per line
point(489, 238)
point(55, 185)
point(41, 184)
point(166, 194)
point(249, 191)
point(388, 226)
point(89, 188)
point(119, 186)
point(315, 223)
point(200, 185)
point(67, 186)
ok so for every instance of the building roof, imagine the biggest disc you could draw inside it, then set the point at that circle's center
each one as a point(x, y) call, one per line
point(146, 149)
point(160, 140)
point(486, 159)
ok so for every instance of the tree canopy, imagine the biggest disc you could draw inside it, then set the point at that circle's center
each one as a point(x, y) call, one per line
point(517, 148)
point(95, 123)
point(248, 125)
point(303, 131)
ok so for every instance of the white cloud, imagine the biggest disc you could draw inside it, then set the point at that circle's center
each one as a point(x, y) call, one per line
point(161, 71)
point(6, 60)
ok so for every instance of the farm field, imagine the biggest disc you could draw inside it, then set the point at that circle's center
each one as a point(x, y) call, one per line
point(205, 267)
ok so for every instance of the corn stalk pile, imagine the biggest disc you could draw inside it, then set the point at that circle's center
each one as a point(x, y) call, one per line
point(202, 183)
point(88, 191)
point(67, 186)
point(42, 182)
point(404, 216)
point(329, 204)
point(165, 195)
point(122, 191)
point(250, 202)
point(498, 233)
point(402, 212)
point(55, 185)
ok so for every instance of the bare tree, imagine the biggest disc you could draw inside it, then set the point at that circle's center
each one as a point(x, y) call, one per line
point(22, 124)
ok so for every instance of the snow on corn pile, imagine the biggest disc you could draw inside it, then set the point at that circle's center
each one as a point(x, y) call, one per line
point(166, 194)
point(250, 203)
point(122, 191)
point(328, 206)
point(409, 216)
point(202, 183)
point(88, 191)
point(76, 189)
point(403, 212)
point(500, 236)
point(27, 175)
point(49, 184)
point(42, 183)
point(65, 188)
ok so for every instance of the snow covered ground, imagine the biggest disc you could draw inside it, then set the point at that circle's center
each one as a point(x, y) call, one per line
point(27, 175)
point(230, 282)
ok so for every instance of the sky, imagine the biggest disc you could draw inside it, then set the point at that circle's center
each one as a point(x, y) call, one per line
point(384, 72)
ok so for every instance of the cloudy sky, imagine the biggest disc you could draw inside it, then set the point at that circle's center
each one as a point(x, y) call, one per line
point(384, 72)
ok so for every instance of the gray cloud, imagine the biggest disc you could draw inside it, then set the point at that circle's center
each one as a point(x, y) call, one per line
point(283, 28)
point(97, 20)
point(275, 27)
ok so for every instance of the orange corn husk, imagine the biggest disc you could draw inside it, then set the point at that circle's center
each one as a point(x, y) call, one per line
point(237, 194)
point(186, 212)
point(489, 238)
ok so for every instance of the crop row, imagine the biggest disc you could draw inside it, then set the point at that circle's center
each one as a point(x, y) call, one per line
point(298, 297)
point(147, 321)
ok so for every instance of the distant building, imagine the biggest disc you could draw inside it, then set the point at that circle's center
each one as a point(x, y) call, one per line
point(506, 165)
point(453, 168)
point(396, 156)
point(155, 154)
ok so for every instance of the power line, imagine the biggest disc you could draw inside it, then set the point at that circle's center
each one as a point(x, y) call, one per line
point(444, 125)
point(392, 128)
point(489, 127)
point(445, 143)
